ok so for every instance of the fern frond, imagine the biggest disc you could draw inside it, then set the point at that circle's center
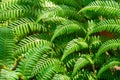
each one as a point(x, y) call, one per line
point(7, 4)
point(7, 45)
point(30, 42)
point(13, 12)
point(107, 25)
point(107, 8)
point(110, 44)
point(61, 11)
point(46, 68)
point(9, 75)
point(107, 66)
point(32, 57)
point(74, 45)
point(82, 62)
point(24, 26)
point(66, 29)
point(61, 77)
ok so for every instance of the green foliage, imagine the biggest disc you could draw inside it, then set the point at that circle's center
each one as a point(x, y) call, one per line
point(59, 40)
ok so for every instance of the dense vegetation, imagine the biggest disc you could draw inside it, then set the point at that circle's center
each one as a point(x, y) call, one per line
point(59, 40)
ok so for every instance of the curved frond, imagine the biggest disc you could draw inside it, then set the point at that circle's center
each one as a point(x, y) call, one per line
point(30, 42)
point(26, 66)
point(24, 26)
point(108, 8)
point(107, 25)
point(66, 29)
point(59, 11)
point(110, 44)
point(81, 62)
point(74, 45)
point(46, 68)
point(107, 66)
point(15, 11)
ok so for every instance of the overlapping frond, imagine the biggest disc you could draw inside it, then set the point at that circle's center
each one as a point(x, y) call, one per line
point(107, 8)
point(26, 66)
point(66, 29)
point(30, 42)
point(24, 26)
point(74, 45)
point(110, 44)
point(48, 68)
point(14, 12)
point(107, 25)
point(81, 62)
point(107, 66)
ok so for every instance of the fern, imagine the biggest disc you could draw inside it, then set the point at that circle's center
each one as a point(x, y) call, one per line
point(107, 66)
point(7, 45)
point(30, 42)
point(48, 68)
point(107, 8)
point(26, 66)
point(25, 26)
point(66, 29)
point(14, 12)
point(74, 45)
point(59, 39)
point(9, 75)
point(110, 44)
point(81, 62)
point(107, 25)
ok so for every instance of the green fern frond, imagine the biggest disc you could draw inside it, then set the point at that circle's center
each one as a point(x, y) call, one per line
point(30, 42)
point(46, 68)
point(9, 75)
point(107, 66)
point(110, 44)
point(13, 12)
point(61, 11)
point(107, 8)
point(24, 26)
point(7, 4)
point(61, 77)
point(7, 45)
point(26, 66)
point(107, 25)
point(82, 62)
point(66, 29)
point(74, 45)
